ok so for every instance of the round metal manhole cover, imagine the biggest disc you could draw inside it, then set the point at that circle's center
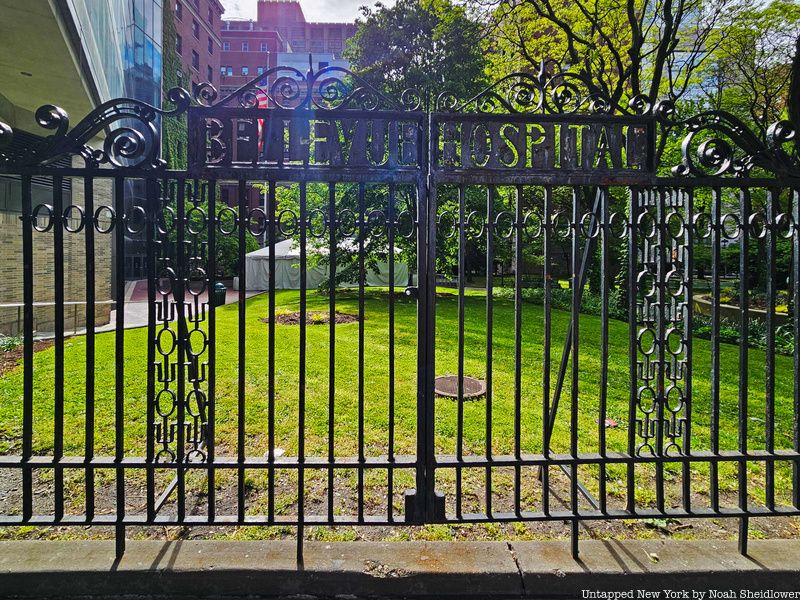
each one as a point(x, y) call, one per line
point(447, 385)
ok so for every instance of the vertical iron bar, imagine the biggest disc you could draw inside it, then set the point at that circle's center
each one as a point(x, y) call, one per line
point(58, 392)
point(744, 373)
point(153, 224)
point(331, 342)
point(240, 441)
point(547, 232)
point(119, 354)
point(664, 247)
point(633, 353)
point(27, 376)
point(716, 259)
point(183, 272)
point(519, 231)
point(796, 327)
point(88, 204)
point(462, 254)
point(362, 210)
point(604, 232)
point(490, 232)
point(390, 234)
point(773, 199)
point(212, 348)
point(273, 230)
point(688, 276)
point(574, 318)
point(301, 399)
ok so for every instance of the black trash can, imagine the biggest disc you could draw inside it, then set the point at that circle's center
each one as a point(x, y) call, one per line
point(219, 293)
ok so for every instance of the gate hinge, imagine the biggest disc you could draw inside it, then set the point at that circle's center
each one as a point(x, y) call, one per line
point(415, 512)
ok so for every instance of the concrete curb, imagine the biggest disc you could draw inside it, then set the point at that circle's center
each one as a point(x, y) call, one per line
point(397, 569)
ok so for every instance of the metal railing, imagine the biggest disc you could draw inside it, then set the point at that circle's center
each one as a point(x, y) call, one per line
point(231, 421)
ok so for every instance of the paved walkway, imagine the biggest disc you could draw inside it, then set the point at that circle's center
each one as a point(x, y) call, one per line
point(136, 309)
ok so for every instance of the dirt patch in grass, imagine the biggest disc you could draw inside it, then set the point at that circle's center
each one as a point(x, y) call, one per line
point(10, 359)
point(312, 318)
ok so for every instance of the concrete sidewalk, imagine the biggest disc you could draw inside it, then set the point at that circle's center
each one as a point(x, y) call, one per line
point(631, 569)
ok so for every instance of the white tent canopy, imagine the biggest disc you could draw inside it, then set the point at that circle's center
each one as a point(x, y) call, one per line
point(287, 269)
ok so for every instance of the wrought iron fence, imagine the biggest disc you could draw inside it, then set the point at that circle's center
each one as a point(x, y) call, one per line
point(223, 425)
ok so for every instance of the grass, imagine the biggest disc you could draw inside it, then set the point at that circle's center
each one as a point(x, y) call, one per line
point(376, 397)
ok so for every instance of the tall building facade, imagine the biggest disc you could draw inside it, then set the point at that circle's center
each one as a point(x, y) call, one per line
point(77, 55)
point(280, 36)
point(197, 39)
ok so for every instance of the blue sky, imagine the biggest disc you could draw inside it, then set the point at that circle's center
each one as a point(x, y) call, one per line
point(315, 10)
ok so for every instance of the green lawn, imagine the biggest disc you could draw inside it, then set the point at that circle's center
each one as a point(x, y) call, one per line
point(376, 383)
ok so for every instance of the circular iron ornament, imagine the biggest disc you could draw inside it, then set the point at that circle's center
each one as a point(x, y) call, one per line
point(589, 220)
point(447, 386)
point(196, 280)
point(405, 218)
point(108, 213)
point(702, 225)
point(378, 223)
point(165, 402)
point(166, 281)
point(195, 347)
point(783, 226)
point(257, 217)
point(137, 216)
point(758, 225)
point(49, 215)
point(166, 220)
point(67, 217)
point(287, 222)
point(647, 225)
point(234, 220)
point(731, 226)
point(532, 225)
point(561, 225)
point(202, 220)
point(474, 225)
point(171, 341)
point(446, 225)
point(646, 399)
point(347, 223)
point(318, 217)
point(505, 218)
point(165, 455)
point(618, 225)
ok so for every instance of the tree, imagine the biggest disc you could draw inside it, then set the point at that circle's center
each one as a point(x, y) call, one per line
point(427, 45)
point(749, 72)
point(622, 48)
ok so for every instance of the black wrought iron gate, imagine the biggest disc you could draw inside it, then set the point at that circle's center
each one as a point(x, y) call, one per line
point(248, 415)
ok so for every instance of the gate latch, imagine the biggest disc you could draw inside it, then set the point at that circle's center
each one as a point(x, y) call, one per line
point(412, 292)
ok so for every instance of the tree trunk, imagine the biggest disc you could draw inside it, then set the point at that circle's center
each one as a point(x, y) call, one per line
point(794, 88)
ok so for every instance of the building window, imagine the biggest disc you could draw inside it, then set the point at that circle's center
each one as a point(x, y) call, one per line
point(230, 71)
point(197, 4)
point(195, 60)
point(226, 46)
point(245, 47)
point(179, 10)
point(210, 45)
point(178, 43)
point(223, 70)
point(263, 46)
point(260, 70)
point(210, 74)
point(245, 71)
point(195, 29)
point(210, 15)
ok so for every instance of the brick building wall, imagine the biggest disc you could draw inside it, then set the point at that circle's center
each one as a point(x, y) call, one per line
point(198, 24)
point(11, 269)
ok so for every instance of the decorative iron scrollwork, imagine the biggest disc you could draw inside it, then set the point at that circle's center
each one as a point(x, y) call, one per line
point(718, 143)
point(552, 90)
point(330, 88)
point(135, 142)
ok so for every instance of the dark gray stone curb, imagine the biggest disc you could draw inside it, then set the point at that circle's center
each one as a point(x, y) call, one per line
point(398, 569)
